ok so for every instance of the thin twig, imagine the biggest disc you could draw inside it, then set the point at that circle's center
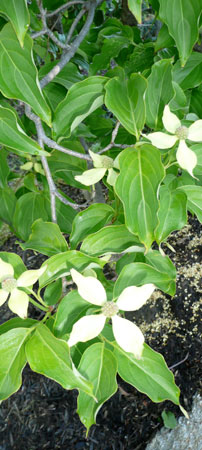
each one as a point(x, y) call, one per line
point(180, 362)
point(65, 6)
point(46, 30)
point(74, 25)
point(60, 148)
point(71, 52)
point(112, 143)
point(52, 188)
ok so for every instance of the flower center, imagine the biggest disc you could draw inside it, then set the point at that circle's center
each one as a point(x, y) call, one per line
point(182, 132)
point(110, 309)
point(107, 162)
point(9, 284)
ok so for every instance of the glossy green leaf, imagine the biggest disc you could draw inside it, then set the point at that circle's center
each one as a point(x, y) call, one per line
point(50, 356)
point(99, 365)
point(190, 75)
point(60, 265)
point(125, 99)
point(29, 207)
point(4, 169)
point(111, 239)
point(89, 221)
point(15, 261)
point(12, 135)
point(53, 292)
point(159, 92)
point(196, 101)
point(135, 7)
point(19, 61)
point(162, 264)
point(137, 274)
point(17, 322)
point(141, 172)
point(82, 99)
point(13, 360)
point(194, 199)
point(8, 204)
point(164, 40)
point(17, 13)
point(70, 309)
point(149, 375)
point(46, 238)
point(54, 94)
point(172, 214)
point(182, 19)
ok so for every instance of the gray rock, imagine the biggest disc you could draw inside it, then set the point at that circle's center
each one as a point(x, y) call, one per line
point(186, 436)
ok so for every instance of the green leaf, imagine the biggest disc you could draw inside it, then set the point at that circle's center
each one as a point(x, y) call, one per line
point(29, 207)
point(194, 199)
point(82, 99)
point(162, 264)
point(141, 59)
point(99, 365)
point(13, 360)
point(17, 322)
point(53, 293)
point(172, 214)
point(12, 135)
point(89, 221)
point(141, 172)
point(149, 375)
point(54, 94)
point(50, 356)
point(110, 49)
point(164, 40)
point(111, 239)
point(46, 238)
point(15, 261)
point(159, 92)
point(4, 169)
point(182, 19)
point(70, 309)
point(19, 61)
point(135, 7)
point(125, 99)
point(169, 419)
point(190, 75)
point(68, 76)
point(196, 102)
point(137, 274)
point(8, 204)
point(18, 15)
point(60, 265)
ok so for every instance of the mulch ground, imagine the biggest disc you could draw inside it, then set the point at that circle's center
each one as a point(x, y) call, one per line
point(42, 415)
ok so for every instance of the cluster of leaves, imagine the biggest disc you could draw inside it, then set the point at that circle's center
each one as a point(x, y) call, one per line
point(74, 78)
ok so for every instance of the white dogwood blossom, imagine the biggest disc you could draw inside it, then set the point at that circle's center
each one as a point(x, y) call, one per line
point(186, 158)
point(102, 164)
point(128, 336)
point(18, 299)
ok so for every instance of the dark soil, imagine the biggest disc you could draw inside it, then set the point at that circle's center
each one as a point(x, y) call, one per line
point(42, 415)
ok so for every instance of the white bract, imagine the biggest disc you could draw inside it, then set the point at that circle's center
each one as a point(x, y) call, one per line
point(18, 299)
point(102, 164)
point(127, 334)
point(186, 158)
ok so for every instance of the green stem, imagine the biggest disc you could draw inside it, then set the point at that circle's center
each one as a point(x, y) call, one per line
point(38, 305)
